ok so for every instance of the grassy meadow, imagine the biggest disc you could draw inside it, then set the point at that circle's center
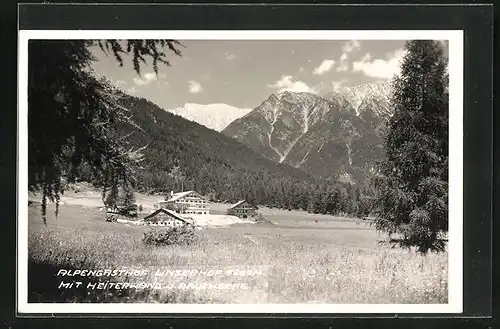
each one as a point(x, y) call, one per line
point(298, 258)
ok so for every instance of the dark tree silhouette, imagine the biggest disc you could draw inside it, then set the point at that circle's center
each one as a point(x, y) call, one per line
point(71, 113)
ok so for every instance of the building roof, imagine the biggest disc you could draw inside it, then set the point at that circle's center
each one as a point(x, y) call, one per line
point(178, 195)
point(239, 203)
point(169, 212)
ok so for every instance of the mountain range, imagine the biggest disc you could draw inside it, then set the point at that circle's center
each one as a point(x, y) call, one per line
point(337, 135)
point(183, 154)
point(278, 155)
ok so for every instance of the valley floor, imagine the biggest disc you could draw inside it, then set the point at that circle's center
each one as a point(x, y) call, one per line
point(299, 258)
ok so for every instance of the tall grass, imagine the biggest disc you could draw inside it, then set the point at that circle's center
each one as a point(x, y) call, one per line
point(292, 272)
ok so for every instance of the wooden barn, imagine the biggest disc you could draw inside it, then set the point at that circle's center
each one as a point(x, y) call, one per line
point(242, 209)
point(166, 217)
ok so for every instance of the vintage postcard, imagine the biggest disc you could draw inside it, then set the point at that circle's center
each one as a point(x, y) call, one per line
point(240, 171)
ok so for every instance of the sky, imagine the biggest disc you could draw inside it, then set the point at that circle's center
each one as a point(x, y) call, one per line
point(244, 73)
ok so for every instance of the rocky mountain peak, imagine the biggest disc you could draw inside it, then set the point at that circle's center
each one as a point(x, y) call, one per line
point(320, 135)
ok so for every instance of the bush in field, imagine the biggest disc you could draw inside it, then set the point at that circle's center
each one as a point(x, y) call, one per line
point(261, 219)
point(165, 236)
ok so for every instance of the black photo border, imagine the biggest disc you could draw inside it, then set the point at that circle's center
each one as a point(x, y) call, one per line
point(475, 20)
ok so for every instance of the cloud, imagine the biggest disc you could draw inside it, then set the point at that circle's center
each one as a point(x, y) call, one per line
point(379, 68)
point(205, 77)
point(343, 67)
point(344, 64)
point(286, 83)
point(337, 84)
point(194, 87)
point(351, 46)
point(228, 56)
point(146, 79)
point(324, 67)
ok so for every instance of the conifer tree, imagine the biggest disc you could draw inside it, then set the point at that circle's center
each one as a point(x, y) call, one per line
point(112, 197)
point(128, 205)
point(413, 180)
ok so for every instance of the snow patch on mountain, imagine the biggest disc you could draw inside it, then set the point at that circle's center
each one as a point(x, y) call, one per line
point(349, 153)
point(280, 94)
point(289, 148)
point(271, 134)
point(321, 147)
point(357, 95)
point(303, 159)
point(214, 116)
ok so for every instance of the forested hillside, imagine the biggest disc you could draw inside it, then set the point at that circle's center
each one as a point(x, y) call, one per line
point(181, 154)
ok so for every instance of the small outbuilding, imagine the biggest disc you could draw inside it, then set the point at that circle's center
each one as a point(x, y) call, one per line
point(242, 209)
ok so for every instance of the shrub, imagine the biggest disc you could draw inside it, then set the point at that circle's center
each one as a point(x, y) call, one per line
point(128, 211)
point(165, 236)
point(259, 218)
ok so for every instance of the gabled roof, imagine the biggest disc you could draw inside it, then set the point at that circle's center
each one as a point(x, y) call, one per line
point(180, 195)
point(239, 203)
point(169, 212)
point(236, 204)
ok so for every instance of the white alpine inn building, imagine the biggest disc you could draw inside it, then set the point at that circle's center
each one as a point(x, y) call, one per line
point(189, 202)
